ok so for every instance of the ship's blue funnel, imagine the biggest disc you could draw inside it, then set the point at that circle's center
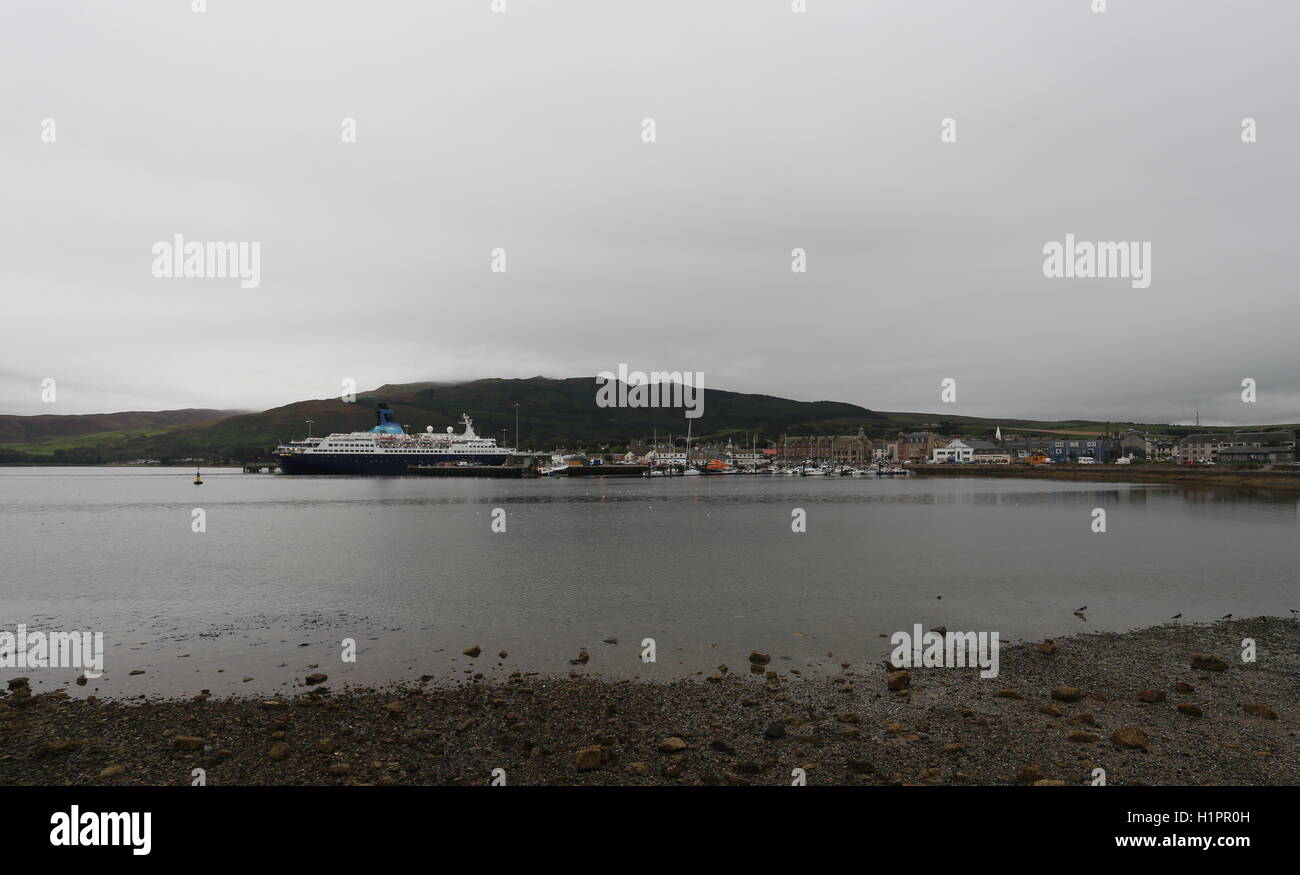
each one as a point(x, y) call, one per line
point(385, 421)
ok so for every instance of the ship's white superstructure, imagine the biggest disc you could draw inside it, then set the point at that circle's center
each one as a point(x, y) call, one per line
point(388, 449)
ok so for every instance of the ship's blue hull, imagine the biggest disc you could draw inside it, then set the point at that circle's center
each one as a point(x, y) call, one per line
point(376, 464)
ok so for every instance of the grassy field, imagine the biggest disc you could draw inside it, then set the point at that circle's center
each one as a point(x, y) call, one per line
point(104, 440)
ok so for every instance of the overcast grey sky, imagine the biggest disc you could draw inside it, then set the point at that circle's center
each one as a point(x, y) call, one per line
point(775, 130)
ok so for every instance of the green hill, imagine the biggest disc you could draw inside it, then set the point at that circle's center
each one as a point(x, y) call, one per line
point(552, 413)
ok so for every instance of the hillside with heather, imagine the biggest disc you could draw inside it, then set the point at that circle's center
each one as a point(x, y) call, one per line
point(28, 429)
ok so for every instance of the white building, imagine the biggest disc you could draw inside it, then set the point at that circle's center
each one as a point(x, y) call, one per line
point(957, 451)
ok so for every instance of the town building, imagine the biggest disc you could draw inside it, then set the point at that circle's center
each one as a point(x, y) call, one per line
point(1200, 448)
point(918, 446)
point(971, 451)
point(987, 452)
point(1020, 447)
point(1066, 450)
point(957, 451)
point(1254, 456)
point(841, 449)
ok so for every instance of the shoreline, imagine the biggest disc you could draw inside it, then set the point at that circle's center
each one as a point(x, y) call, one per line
point(1174, 475)
point(740, 726)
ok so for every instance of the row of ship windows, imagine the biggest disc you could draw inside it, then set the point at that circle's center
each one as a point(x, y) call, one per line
point(339, 446)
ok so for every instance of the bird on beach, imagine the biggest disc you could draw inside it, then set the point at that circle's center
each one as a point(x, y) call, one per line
point(1226, 617)
point(1081, 610)
point(1177, 616)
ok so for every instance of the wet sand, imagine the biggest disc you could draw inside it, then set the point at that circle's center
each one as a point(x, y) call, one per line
point(749, 724)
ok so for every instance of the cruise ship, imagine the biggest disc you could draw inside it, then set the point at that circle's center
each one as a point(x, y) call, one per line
point(388, 449)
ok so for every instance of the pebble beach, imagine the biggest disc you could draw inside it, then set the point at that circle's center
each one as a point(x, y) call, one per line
point(1168, 705)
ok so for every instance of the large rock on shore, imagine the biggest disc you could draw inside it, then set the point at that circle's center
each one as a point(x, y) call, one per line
point(1031, 773)
point(589, 758)
point(58, 747)
point(1130, 737)
point(1064, 693)
point(1260, 711)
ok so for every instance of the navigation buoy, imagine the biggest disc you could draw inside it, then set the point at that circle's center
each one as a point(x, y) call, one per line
point(198, 480)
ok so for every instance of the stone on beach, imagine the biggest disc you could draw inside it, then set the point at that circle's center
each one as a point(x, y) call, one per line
point(1130, 737)
point(672, 744)
point(1208, 662)
point(589, 758)
point(59, 746)
point(1031, 773)
point(898, 680)
point(1260, 711)
point(1064, 693)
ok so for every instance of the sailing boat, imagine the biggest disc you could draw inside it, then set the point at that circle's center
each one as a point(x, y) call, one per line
point(689, 470)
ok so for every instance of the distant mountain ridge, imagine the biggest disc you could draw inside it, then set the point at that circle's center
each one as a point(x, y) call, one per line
point(552, 412)
point(26, 429)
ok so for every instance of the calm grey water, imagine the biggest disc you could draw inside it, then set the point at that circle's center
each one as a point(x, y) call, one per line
point(707, 566)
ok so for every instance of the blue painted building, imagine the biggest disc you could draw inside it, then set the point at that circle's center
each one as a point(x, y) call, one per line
point(1066, 450)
